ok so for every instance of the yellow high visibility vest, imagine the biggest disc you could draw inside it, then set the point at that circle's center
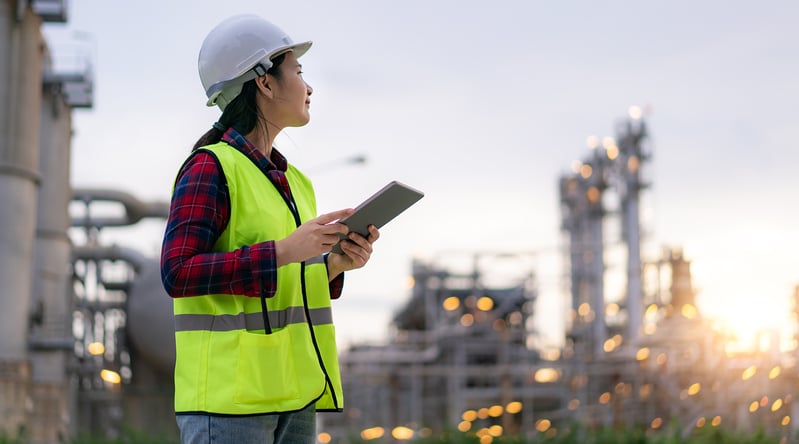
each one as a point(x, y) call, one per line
point(226, 362)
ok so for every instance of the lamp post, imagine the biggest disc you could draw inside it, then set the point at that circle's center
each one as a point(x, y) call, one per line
point(355, 159)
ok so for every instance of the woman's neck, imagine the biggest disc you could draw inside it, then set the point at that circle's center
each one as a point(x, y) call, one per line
point(263, 140)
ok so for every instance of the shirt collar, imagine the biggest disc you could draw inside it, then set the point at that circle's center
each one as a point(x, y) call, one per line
point(238, 141)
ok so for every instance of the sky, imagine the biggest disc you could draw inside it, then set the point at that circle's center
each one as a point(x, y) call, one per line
point(483, 106)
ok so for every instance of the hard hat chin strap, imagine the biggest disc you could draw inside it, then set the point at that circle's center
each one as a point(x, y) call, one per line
point(259, 69)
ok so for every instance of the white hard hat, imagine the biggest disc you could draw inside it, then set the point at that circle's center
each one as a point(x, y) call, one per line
point(239, 49)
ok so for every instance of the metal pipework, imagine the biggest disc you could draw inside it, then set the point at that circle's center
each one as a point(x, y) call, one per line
point(135, 209)
point(110, 253)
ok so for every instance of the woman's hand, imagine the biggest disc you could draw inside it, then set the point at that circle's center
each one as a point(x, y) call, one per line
point(313, 238)
point(357, 251)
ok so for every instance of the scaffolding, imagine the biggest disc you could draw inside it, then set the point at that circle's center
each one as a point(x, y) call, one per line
point(460, 357)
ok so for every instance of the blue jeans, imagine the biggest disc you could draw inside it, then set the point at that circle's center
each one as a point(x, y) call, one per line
point(282, 428)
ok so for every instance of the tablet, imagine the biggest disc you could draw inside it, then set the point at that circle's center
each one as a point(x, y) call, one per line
point(379, 209)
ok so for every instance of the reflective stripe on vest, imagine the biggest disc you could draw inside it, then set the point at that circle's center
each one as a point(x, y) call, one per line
point(225, 363)
point(251, 321)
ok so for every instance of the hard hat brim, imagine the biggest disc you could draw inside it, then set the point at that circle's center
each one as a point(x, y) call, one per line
point(301, 48)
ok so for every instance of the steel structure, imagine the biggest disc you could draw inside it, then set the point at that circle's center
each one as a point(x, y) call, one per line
point(630, 366)
point(613, 166)
point(459, 349)
point(112, 377)
point(611, 174)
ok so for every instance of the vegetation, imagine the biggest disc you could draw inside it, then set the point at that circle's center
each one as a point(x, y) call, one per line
point(609, 435)
point(573, 435)
point(128, 437)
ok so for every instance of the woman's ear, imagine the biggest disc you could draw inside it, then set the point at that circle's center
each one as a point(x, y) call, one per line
point(264, 85)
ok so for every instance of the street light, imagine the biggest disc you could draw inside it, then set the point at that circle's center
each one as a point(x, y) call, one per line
point(355, 159)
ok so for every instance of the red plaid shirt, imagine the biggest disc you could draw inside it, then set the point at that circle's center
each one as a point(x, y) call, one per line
point(199, 213)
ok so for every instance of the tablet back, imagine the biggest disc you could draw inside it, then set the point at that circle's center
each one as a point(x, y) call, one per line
point(380, 208)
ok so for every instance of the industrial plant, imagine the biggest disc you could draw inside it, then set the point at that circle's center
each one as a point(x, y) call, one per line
point(87, 346)
point(463, 356)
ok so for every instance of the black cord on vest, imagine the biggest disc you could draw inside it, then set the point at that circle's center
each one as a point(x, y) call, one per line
point(265, 312)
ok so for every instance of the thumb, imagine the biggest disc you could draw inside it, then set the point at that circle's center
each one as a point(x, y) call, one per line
point(333, 216)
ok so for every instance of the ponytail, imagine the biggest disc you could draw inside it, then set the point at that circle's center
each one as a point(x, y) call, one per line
point(210, 137)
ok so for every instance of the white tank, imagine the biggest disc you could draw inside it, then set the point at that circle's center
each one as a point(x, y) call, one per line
point(150, 321)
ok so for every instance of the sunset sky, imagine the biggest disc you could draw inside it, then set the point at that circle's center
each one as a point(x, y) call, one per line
point(483, 105)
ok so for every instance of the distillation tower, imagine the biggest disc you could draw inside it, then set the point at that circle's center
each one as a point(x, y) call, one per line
point(612, 170)
point(64, 346)
point(36, 104)
point(604, 188)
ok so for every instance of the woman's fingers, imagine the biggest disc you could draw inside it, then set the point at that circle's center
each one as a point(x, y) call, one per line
point(333, 216)
point(374, 234)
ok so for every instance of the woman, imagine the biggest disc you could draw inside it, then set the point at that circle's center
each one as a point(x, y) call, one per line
point(246, 258)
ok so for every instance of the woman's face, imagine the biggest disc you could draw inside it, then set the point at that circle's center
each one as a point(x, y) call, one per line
point(291, 96)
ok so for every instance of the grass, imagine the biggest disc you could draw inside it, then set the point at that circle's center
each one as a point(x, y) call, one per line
point(128, 437)
point(608, 435)
point(574, 435)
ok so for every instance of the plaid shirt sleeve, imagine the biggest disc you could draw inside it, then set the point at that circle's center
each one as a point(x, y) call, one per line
point(198, 214)
point(336, 285)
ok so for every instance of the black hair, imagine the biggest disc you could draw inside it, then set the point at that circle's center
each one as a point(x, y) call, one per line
point(242, 113)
